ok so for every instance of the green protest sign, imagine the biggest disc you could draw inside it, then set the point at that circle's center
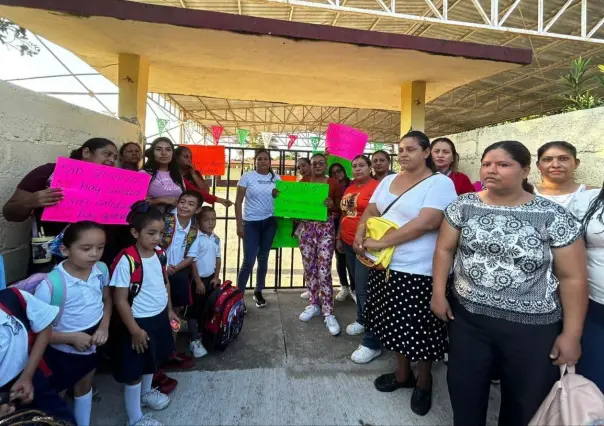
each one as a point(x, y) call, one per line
point(347, 164)
point(301, 200)
point(283, 237)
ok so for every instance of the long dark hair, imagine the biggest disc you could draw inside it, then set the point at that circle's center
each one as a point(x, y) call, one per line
point(597, 204)
point(270, 169)
point(152, 167)
point(424, 143)
point(449, 142)
point(519, 154)
point(330, 172)
point(92, 145)
point(365, 158)
point(568, 147)
point(142, 214)
point(126, 145)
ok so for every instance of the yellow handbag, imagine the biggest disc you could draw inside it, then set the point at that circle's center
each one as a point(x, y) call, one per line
point(377, 227)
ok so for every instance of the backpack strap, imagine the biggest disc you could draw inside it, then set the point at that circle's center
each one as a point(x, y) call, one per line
point(169, 230)
point(136, 270)
point(163, 260)
point(58, 291)
point(104, 270)
point(191, 237)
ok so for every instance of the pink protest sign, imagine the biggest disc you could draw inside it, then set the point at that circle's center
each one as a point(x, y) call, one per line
point(102, 194)
point(345, 141)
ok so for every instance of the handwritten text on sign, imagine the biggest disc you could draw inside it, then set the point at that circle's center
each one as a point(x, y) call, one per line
point(209, 160)
point(93, 192)
point(301, 200)
point(345, 141)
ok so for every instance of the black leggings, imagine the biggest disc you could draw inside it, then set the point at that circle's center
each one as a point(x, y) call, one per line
point(479, 345)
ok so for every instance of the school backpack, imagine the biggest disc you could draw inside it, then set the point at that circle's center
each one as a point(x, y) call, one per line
point(136, 268)
point(574, 400)
point(170, 230)
point(56, 285)
point(14, 304)
point(223, 318)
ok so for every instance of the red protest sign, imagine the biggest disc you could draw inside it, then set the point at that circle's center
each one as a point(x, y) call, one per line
point(208, 159)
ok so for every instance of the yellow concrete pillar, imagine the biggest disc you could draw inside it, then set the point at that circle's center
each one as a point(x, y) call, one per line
point(413, 106)
point(133, 84)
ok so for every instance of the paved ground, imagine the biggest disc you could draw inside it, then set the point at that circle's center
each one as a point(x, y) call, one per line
point(281, 371)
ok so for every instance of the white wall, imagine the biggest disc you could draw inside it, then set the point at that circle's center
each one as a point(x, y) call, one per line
point(584, 129)
point(35, 129)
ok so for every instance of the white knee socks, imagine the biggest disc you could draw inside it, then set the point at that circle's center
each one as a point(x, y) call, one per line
point(82, 405)
point(132, 399)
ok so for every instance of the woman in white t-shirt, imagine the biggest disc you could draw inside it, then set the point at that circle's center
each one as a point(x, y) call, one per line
point(557, 162)
point(397, 309)
point(588, 206)
point(256, 225)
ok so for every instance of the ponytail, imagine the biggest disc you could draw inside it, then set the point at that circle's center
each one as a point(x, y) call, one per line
point(527, 186)
point(92, 145)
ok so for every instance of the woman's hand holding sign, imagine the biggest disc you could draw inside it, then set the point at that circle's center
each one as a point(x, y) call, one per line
point(46, 197)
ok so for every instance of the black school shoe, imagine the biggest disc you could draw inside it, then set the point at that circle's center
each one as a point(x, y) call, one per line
point(259, 299)
point(421, 400)
point(388, 382)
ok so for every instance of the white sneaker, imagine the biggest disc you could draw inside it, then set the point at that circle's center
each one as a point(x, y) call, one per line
point(309, 312)
point(305, 295)
point(332, 325)
point(363, 354)
point(146, 420)
point(343, 294)
point(155, 400)
point(355, 329)
point(197, 349)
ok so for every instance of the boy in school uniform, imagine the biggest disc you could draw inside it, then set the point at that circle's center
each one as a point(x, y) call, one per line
point(180, 235)
point(25, 330)
point(205, 275)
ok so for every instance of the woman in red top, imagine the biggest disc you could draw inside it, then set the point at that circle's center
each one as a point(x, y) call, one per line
point(317, 241)
point(446, 160)
point(355, 200)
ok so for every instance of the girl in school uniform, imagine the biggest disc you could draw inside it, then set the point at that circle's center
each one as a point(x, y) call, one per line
point(144, 335)
point(84, 323)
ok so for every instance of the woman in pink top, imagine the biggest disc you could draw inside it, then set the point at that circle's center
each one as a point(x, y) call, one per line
point(167, 182)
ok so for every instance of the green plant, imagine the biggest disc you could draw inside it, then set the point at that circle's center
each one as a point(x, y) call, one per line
point(14, 36)
point(579, 77)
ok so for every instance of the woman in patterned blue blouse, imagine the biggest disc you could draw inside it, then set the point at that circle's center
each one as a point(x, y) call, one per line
point(519, 293)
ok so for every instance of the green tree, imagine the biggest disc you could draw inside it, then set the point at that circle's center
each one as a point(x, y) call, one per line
point(579, 77)
point(14, 36)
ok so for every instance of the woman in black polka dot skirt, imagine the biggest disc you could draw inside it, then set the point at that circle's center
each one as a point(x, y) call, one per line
point(397, 309)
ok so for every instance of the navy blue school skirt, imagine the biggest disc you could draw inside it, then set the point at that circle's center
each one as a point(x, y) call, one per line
point(180, 288)
point(128, 365)
point(69, 368)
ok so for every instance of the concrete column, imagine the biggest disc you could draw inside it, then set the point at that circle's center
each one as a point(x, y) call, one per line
point(413, 106)
point(133, 84)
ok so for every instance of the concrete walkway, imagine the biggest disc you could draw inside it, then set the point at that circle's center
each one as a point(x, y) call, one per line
point(281, 371)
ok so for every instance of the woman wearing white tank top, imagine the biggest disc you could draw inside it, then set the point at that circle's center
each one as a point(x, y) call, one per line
point(557, 162)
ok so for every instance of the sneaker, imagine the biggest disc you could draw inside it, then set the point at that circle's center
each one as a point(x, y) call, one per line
point(305, 295)
point(309, 312)
point(146, 420)
point(165, 384)
point(155, 400)
point(363, 354)
point(355, 329)
point(332, 325)
point(197, 349)
point(260, 302)
point(343, 294)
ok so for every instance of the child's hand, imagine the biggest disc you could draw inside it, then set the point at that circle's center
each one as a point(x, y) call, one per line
point(200, 288)
point(171, 270)
point(173, 315)
point(23, 390)
point(215, 282)
point(140, 341)
point(100, 336)
point(6, 409)
point(81, 341)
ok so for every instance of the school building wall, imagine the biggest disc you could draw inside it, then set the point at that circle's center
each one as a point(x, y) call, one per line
point(36, 129)
point(584, 129)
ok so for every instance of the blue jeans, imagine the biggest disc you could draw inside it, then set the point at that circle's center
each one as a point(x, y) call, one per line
point(257, 242)
point(361, 277)
point(590, 364)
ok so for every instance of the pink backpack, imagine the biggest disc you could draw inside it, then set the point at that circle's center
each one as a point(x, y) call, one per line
point(573, 401)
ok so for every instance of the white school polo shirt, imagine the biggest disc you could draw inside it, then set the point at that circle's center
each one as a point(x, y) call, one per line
point(208, 250)
point(153, 296)
point(13, 336)
point(83, 304)
point(176, 250)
